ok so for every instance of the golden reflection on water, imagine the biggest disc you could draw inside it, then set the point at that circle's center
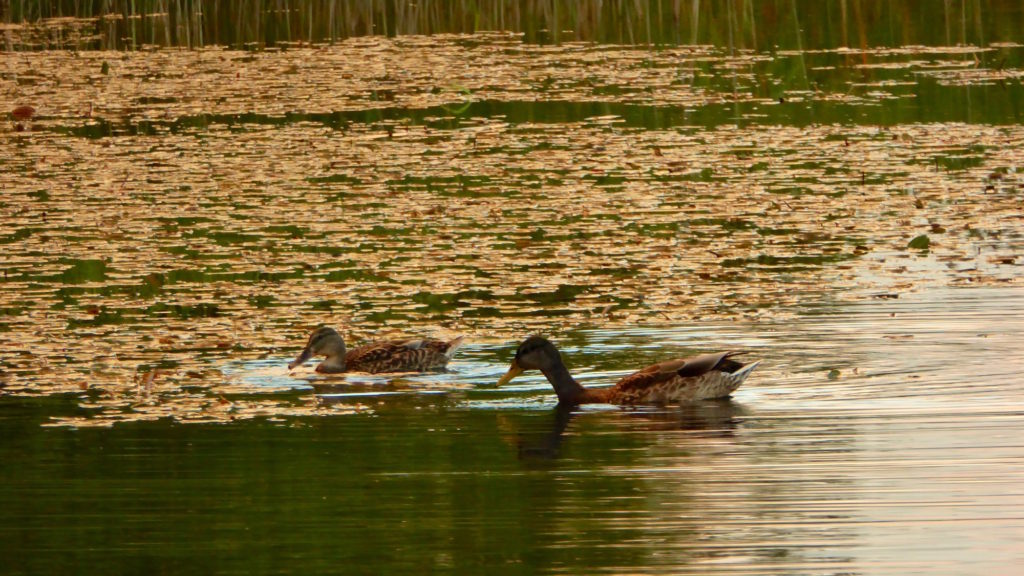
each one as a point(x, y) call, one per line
point(906, 462)
point(188, 209)
point(176, 221)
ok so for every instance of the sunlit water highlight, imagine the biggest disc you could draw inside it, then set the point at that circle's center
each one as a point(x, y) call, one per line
point(943, 347)
point(164, 228)
point(907, 459)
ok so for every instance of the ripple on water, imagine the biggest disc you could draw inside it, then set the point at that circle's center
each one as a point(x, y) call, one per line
point(910, 463)
point(937, 351)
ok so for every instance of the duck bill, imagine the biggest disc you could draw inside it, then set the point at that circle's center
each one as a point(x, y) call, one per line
point(306, 354)
point(513, 371)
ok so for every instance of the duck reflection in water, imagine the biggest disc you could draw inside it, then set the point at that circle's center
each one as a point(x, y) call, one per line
point(706, 419)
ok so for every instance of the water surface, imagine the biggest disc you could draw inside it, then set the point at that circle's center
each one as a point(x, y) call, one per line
point(907, 461)
point(833, 187)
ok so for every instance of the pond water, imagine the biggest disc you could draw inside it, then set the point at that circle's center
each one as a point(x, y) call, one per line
point(836, 192)
point(908, 460)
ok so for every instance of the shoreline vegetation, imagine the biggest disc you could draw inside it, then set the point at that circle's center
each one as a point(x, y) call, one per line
point(737, 24)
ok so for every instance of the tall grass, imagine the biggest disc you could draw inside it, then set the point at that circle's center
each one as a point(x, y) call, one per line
point(740, 24)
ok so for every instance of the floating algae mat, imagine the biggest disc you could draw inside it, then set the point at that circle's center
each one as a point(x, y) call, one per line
point(170, 212)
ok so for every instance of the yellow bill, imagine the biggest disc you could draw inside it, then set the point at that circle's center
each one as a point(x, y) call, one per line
point(513, 371)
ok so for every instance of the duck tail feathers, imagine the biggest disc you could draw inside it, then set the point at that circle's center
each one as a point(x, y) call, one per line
point(742, 373)
point(454, 345)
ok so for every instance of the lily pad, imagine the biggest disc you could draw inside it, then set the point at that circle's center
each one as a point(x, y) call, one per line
point(921, 242)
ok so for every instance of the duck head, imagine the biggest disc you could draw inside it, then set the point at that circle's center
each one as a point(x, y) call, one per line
point(535, 353)
point(323, 342)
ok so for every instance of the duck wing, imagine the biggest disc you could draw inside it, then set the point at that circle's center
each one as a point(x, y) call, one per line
point(650, 376)
point(700, 365)
point(443, 347)
point(665, 381)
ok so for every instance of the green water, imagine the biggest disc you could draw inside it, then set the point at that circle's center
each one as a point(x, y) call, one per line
point(904, 463)
point(833, 187)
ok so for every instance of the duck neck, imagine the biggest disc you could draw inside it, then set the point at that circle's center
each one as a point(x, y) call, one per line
point(332, 364)
point(334, 349)
point(567, 388)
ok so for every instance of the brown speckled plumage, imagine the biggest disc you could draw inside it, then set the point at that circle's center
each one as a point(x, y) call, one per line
point(421, 355)
point(676, 381)
point(399, 356)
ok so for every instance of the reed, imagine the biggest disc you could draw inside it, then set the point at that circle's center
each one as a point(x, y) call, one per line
point(739, 24)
